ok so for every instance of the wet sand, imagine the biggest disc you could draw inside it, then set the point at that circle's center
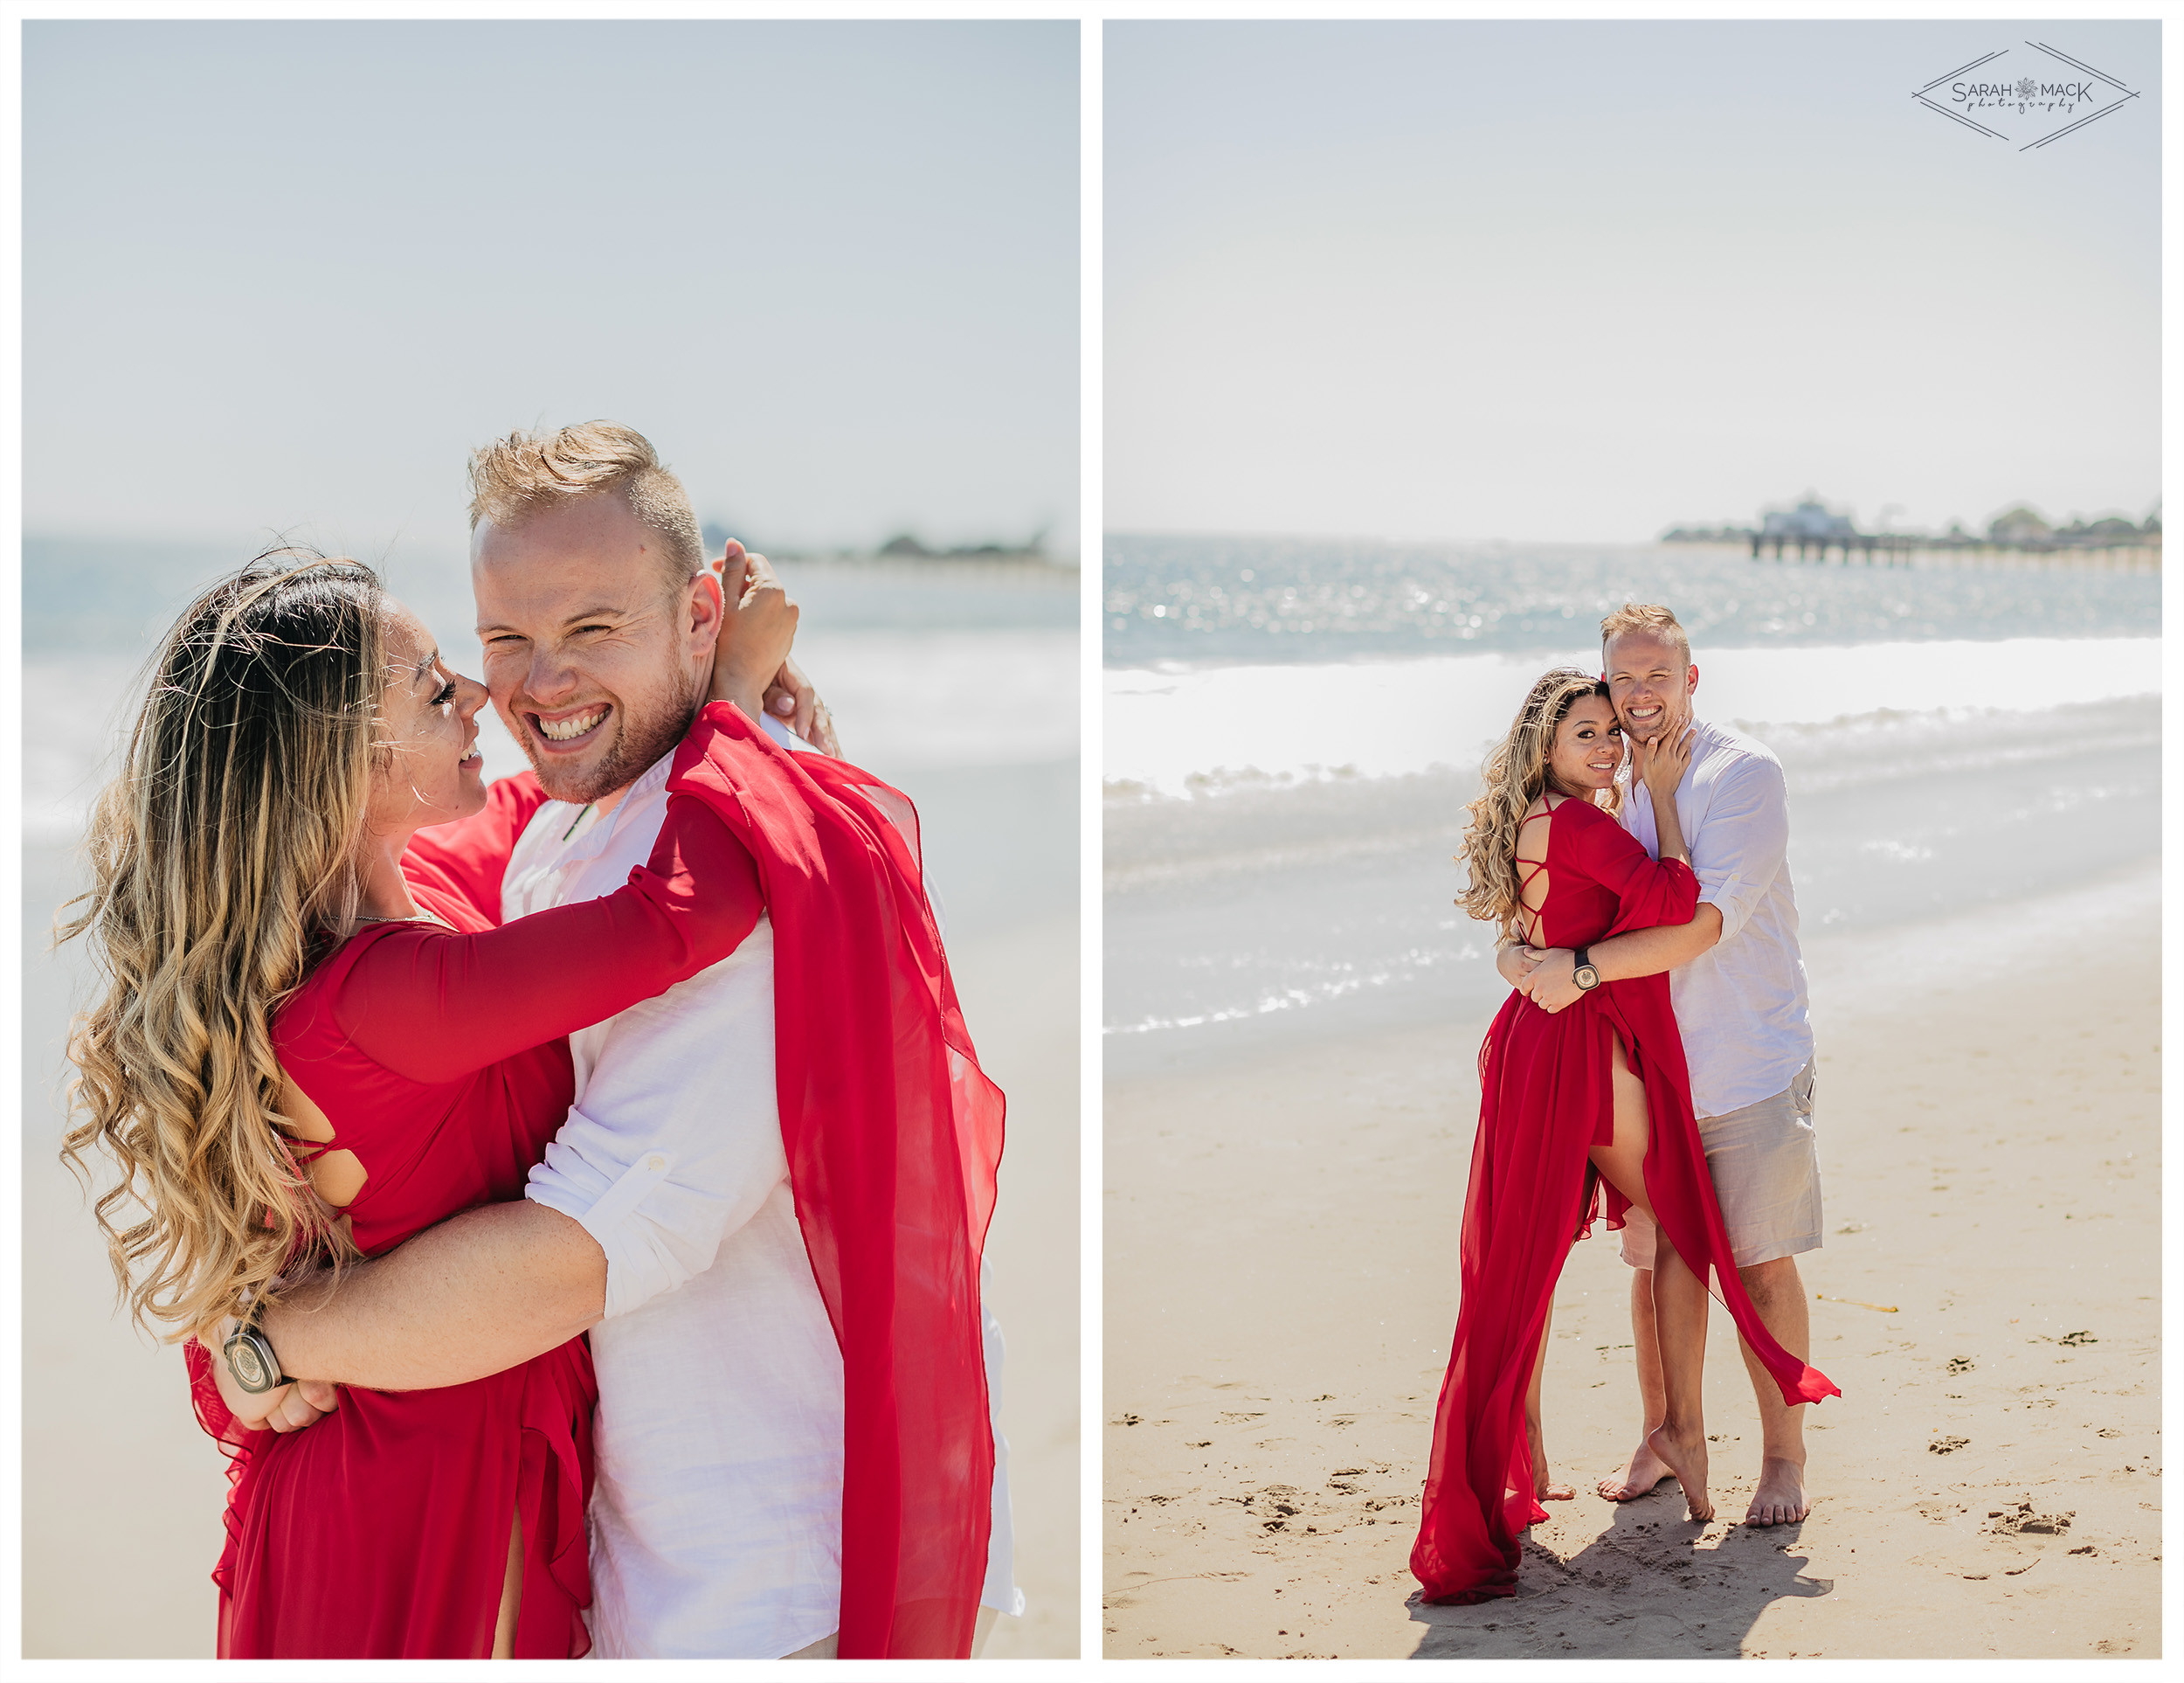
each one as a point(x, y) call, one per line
point(1281, 1283)
point(122, 1492)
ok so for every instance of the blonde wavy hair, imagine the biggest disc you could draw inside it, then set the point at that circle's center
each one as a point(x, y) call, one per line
point(224, 860)
point(1515, 775)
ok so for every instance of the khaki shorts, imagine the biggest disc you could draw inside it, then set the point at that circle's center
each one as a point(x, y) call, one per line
point(1766, 1175)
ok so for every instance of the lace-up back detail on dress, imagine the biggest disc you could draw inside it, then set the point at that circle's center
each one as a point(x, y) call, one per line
point(1530, 871)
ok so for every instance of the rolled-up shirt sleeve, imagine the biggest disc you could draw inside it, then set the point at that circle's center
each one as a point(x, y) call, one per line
point(1740, 848)
point(675, 1141)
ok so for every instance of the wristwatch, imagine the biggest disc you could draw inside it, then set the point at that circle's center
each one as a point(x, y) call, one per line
point(1585, 976)
point(250, 1357)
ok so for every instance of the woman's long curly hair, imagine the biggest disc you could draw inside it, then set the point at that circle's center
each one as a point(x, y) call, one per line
point(222, 858)
point(1515, 775)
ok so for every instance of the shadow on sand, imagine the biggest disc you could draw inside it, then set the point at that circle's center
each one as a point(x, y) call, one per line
point(1645, 1589)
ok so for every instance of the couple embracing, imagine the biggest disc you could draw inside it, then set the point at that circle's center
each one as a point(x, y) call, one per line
point(1653, 1067)
point(573, 1190)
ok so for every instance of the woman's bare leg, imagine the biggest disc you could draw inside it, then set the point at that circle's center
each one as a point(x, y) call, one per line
point(1679, 1297)
point(1543, 1487)
point(1679, 1311)
point(511, 1594)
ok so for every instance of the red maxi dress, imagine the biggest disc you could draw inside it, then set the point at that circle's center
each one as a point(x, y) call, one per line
point(1546, 1098)
point(438, 1055)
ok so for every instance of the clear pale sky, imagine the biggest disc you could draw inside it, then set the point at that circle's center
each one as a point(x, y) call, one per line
point(1588, 281)
point(286, 274)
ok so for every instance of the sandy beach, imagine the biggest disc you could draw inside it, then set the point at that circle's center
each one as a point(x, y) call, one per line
point(119, 1488)
point(1281, 1284)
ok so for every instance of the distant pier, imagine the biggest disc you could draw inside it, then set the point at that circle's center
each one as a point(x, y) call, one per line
point(1900, 549)
point(1864, 542)
point(1812, 531)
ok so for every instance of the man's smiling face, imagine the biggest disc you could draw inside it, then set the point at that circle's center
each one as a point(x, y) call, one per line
point(1650, 682)
point(595, 659)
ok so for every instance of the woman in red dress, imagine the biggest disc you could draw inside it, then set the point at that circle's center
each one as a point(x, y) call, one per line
point(315, 1042)
point(1582, 1112)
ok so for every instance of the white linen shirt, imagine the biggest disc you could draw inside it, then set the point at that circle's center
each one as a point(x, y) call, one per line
point(717, 1517)
point(1747, 1027)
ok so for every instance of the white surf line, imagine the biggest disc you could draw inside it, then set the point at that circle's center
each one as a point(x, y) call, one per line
point(1168, 730)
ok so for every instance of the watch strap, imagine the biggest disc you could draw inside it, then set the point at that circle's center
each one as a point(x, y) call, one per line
point(1584, 961)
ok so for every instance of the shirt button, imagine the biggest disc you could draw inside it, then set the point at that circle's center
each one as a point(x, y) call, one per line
point(655, 1162)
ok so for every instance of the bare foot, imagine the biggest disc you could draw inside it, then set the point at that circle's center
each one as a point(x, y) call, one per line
point(1646, 1470)
point(1686, 1458)
point(1547, 1491)
point(1781, 1497)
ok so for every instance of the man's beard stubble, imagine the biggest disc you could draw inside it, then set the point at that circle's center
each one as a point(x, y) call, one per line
point(637, 744)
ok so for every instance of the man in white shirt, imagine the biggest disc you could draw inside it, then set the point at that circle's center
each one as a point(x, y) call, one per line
point(1738, 982)
point(662, 1218)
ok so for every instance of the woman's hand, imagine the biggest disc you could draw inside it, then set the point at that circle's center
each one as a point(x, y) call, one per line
point(790, 698)
point(1663, 762)
point(284, 1408)
point(757, 626)
point(1552, 984)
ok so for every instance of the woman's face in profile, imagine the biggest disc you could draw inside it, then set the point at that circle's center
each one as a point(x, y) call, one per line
point(1588, 747)
point(428, 723)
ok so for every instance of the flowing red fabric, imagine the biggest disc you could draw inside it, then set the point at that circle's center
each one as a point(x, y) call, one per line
point(381, 1532)
point(1546, 1098)
point(894, 1140)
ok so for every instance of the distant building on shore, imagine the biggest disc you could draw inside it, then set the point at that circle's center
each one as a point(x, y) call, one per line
point(903, 546)
point(1809, 522)
point(2022, 523)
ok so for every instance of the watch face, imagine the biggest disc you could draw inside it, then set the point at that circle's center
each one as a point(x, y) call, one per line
point(1586, 976)
point(247, 1364)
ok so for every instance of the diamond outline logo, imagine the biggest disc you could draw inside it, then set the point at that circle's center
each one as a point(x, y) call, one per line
point(2124, 95)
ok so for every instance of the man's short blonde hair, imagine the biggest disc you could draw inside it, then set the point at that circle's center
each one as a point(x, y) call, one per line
point(1648, 618)
point(516, 477)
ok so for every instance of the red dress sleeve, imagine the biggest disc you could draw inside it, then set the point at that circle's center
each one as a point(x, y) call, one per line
point(434, 1006)
point(469, 857)
point(1650, 892)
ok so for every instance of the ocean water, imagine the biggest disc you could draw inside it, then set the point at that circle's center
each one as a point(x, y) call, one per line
point(957, 682)
point(1294, 600)
point(1279, 825)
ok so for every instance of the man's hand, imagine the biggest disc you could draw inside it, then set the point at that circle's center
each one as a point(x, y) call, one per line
point(1552, 984)
point(1515, 961)
point(285, 1408)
